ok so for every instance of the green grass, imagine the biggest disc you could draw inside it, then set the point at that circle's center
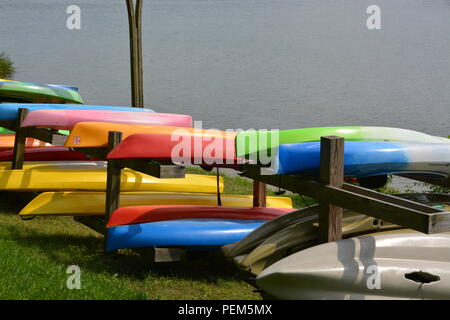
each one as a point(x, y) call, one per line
point(35, 254)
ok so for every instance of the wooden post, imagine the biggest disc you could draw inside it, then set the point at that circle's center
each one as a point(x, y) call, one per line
point(19, 140)
point(113, 177)
point(332, 174)
point(134, 21)
point(259, 194)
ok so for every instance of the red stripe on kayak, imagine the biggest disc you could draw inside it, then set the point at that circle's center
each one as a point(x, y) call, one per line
point(144, 214)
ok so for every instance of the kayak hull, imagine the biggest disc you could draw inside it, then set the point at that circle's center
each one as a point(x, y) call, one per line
point(38, 93)
point(50, 153)
point(144, 214)
point(66, 119)
point(77, 203)
point(180, 233)
point(91, 175)
point(377, 266)
point(9, 111)
point(362, 159)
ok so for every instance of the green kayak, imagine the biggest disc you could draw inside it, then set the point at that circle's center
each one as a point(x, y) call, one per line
point(257, 141)
point(4, 130)
point(15, 91)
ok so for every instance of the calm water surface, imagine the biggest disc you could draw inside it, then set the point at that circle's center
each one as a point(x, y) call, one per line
point(248, 63)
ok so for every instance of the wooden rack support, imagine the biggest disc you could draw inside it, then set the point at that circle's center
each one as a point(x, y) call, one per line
point(332, 174)
point(259, 194)
point(45, 135)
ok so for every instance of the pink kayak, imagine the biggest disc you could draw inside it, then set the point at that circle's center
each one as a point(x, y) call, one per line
point(65, 119)
point(46, 154)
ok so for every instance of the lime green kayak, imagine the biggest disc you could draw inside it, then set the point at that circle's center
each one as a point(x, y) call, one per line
point(15, 91)
point(254, 141)
point(4, 130)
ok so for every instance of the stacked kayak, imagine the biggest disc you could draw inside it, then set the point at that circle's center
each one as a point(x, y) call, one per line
point(16, 91)
point(184, 226)
point(400, 264)
point(68, 118)
point(91, 175)
point(89, 203)
point(362, 159)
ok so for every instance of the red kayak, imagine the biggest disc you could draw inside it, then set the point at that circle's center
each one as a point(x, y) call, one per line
point(187, 148)
point(51, 153)
point(144, 214)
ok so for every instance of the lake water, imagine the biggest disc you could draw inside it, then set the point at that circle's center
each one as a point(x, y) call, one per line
point(248, 63)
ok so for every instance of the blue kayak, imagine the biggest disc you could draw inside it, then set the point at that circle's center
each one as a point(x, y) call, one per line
point(180, 233)
point(364, 158)
point(9, 111)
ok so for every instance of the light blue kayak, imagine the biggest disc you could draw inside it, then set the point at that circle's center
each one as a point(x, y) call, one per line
point(9, 111)
point(363, 158)
point(180, 233)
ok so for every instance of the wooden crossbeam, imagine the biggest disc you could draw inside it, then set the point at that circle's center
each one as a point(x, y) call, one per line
point(389, 208)
point(154, 169)
point(439, 182)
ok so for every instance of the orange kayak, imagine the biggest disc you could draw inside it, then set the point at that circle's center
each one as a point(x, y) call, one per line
point(95, 134)
point(7, 142)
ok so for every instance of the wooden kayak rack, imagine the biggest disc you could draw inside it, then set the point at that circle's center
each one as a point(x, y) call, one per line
point(330, 190)
point(332, 193)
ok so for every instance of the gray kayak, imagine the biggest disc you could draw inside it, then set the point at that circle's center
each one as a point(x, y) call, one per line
point(400, 264)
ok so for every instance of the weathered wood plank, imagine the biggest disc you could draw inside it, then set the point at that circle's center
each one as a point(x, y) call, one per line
point(331, 173)
point(259, 194)
point(438, 182)
point(381, 208)
point(113, 176)
point(162, 171)
point(19, 140)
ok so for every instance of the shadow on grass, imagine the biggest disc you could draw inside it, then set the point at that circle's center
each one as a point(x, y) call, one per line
point(87, 252)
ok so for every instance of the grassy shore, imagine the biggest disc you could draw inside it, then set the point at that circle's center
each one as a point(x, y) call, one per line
point(35, 255)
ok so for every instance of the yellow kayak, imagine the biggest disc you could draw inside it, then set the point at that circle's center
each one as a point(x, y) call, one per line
point(95, 134)
point(93, 203)
point(84, 175)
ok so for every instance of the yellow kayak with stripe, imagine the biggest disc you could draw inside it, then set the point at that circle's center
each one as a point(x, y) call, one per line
point(84, 175)
point(93, 203)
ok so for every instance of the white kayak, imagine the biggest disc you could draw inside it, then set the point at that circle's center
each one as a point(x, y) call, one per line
point(401, 264)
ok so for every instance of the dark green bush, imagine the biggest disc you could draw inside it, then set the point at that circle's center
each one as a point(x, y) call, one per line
point(6, 66)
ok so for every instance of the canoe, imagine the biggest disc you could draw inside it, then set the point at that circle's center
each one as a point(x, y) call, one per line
point(362, 159)
point(77, 203)
point(180, 233)
point(9, 111)
point(91, 175)
point(15, 91)
point(265, 140)
point(188, 148)
point(95, 134)
point(7, 142)
point(144, 214)
point(388, 265)
point(66, 119)
point(50, 153)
